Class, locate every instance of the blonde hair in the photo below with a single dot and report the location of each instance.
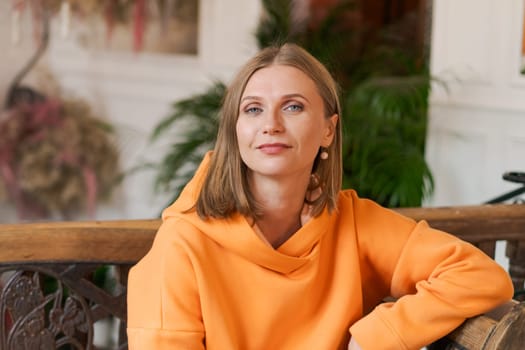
(225, 189)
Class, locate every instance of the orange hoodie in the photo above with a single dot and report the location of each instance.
(216, 285)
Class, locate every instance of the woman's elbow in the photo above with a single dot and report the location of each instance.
(501, 285)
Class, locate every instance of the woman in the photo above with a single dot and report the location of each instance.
(263, 251)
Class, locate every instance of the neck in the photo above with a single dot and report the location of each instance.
(282, 205)
(277, 229)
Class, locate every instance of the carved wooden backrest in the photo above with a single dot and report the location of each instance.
(51, 296)
(58, 281)
(47, 306)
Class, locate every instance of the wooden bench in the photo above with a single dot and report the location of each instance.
(33, 314)
(52, 293)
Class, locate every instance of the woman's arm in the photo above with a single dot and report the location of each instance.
(438, 281)
(163, 301)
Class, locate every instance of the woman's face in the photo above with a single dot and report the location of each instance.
(281, 123)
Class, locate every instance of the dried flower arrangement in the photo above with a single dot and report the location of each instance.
(56, 158)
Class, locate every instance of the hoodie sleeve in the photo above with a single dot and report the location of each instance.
(163, 302)
(436, 279)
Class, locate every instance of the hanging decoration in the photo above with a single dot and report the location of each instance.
(134, 12)
(57, 158)
(113, 11)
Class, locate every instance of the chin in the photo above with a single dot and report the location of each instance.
(269, 168)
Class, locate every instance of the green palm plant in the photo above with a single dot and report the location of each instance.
(384, 94)
(198, 116)
(384, 140)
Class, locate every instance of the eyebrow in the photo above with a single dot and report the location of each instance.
(297, 95)
(250, 98)
(285, 96)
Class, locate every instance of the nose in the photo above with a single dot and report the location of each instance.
(273, 123)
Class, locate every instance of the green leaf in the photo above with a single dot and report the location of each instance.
(199, 114)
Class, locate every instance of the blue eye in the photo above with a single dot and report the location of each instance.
(253, 110)
(294, 108)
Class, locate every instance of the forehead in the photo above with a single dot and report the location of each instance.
(280, 79)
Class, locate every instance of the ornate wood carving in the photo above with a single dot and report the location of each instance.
(55, 306)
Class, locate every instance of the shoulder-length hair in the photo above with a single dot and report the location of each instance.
(225, 188)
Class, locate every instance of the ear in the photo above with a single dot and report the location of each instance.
(329, 132)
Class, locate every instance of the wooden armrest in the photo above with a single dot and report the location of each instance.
(123, 241)
(502, 328)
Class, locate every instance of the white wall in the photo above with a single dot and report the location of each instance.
(477, 124)
(477, 127)
(135, 91)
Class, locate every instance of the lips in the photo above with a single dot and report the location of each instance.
(273, 148)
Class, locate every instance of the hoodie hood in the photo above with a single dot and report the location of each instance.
(235, 234)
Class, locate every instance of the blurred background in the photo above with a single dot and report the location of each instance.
(107, 106)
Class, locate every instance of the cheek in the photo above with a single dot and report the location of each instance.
(243, 132)
(244, 140)
(238, 131)
(311, 139)
(312, 136)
